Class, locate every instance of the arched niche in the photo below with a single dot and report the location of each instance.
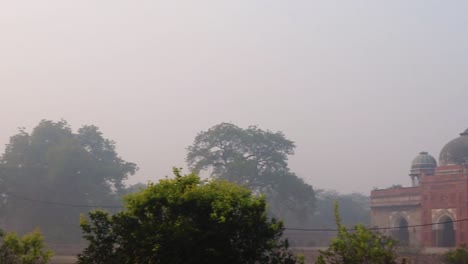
(401, 230)
(444, 231)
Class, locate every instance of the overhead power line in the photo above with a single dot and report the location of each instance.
(59, 203)
(375, 228)
(19, 197)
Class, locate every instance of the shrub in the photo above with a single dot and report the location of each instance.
(29, 249)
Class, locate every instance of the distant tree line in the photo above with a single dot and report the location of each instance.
(51, 175)
(355, 209)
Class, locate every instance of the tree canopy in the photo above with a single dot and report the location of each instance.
(28, 249)
(186, 220)
(56, 165)
(257, 159)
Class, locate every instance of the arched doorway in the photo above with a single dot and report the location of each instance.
(445, 232)
(400, 230)
(402, 233)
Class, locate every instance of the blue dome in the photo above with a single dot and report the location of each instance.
(423, 163)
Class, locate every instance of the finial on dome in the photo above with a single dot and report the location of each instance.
(423, 163)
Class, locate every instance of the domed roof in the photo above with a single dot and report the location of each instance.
(423, 163)
(456, 151)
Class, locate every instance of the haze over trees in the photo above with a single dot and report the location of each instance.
(50, 175)
(184, 220)
(355, 209)
(257, 159)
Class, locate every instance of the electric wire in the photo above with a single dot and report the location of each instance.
(376, 227)
(59, 203)
(15, 196)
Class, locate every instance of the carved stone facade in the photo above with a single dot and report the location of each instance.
(395, 208)
(434, 211)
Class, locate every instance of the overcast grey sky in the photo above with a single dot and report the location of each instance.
(361, 86)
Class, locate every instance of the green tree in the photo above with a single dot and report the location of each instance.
(186, 220)
(256, 159)
(361, 246)
(29, 249)
(456, 256)
(54, 164)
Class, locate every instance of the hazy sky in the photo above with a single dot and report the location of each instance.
(361, 86)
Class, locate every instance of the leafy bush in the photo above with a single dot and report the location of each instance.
(29, 249)
(456, 256)
(363, 246)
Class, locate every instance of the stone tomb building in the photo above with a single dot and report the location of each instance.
(433, 212)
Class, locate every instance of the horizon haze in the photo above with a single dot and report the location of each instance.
(361, 87)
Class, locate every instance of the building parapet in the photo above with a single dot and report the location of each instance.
(410, 196)
(406, 191)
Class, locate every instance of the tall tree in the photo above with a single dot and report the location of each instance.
(257, 159)
(53, 164)
(184, 220)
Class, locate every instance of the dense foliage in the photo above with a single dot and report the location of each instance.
(29, 249)
(185, 220)
(256, 159)
(456, 256)
(51, 165)
(360, 246)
